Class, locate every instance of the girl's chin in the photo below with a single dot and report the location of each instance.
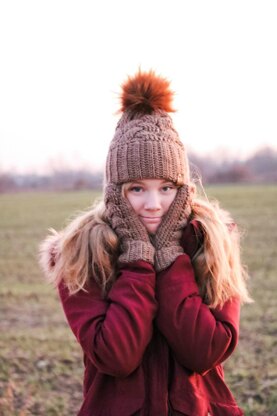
(151, 225)
(152, 228)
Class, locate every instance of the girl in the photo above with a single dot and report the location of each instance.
(150, 279)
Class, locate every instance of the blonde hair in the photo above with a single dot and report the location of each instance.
(219, 272)
(89, 249)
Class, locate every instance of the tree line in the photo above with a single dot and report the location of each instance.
(261, 167)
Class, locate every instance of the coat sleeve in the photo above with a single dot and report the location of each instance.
(115, 331)
(200, 337)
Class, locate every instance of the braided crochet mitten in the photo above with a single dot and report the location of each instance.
(134, 239)
(167, 238)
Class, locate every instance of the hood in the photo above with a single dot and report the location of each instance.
(49, 254)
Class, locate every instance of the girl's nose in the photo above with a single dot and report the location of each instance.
(152, 202)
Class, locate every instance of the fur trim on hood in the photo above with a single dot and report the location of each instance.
(49, 254)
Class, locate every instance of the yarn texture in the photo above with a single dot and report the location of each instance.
(146, 144)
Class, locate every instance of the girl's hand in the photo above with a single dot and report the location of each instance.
(134, 239)
(167, 238)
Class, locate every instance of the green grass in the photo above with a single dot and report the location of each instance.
(41, 364)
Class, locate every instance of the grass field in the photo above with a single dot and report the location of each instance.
(40, 362)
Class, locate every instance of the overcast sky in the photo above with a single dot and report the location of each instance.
(62, 64)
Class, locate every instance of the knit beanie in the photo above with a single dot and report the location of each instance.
(146, 144)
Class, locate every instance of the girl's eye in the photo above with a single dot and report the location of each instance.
(167, 188)
(135, 189)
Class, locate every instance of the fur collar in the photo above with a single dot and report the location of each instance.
(49, 254)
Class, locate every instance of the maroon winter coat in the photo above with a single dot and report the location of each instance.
(153, 347)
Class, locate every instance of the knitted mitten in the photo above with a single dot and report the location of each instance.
(167, 238)
(134, 239)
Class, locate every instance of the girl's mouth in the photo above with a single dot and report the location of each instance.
(151, 219)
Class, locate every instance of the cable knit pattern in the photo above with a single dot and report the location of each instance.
(134, 239)
(167, 238)
(144, 147)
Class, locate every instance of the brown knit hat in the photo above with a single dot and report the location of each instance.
(145, 144)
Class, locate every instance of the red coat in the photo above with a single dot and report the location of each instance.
(153, 344)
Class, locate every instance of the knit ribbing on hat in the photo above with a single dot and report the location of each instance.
(146, 147)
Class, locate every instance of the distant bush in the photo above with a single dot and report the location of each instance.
(261, 167)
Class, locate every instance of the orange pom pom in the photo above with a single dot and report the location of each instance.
(145, 93)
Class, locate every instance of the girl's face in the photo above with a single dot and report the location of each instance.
(151, 199)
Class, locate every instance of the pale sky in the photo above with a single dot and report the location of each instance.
(62, 64)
